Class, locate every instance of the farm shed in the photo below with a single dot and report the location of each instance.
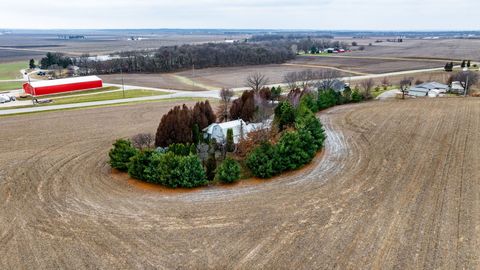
(218, 131)
(39, 88)
(423, 89)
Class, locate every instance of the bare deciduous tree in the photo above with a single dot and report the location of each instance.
(327, 79)
(307, 78)
(367, 86)
(465, 78)
(385, 81)
(223, 111)
(291, 79)
(143, 140)
(405, 83)
(256, 81)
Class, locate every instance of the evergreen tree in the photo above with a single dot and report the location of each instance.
(228, 171)
(230, 142)
(121, 153)
(196, 135)
(31, 64)
(243, 107)
(211, 166)
(175, 127)
(276, 92)
(284, 114)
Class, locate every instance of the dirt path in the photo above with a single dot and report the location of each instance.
(398, 187)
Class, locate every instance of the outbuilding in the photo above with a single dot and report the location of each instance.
(423, 89)
(218, 131)
(38, 88)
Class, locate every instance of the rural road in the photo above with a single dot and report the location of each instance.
(387, 58)
(397, 188)
(182, 94)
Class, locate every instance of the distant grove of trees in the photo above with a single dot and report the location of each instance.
(275, 37)
(177, 58)
(55, 59)
(184, 57)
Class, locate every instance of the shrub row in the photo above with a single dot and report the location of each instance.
(178, 167)
(294, 149)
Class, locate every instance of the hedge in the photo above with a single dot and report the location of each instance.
(121, 153)
(228, 171)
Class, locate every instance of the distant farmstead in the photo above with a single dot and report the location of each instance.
(38, 88)
(424, 89)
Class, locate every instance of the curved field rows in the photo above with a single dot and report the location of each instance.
(398, 187)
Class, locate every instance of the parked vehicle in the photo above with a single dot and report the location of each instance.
(4, 98)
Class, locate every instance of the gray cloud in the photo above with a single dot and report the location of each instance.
(284, 14)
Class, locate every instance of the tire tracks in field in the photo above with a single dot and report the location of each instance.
(391, 190)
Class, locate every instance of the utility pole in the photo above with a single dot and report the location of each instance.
(123, 85)
(466, 84)
(33, 89)
(193, 75)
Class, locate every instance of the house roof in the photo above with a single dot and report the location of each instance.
(225, 125)
(64, 81)
(432, 85)
(419, 89)
(238, 127)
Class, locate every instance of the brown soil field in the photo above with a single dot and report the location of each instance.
(233, 77)
(7, 55)
(208, 78)
(365, 65)
(101, 42)
(397, 188)
(166, 81)
(455, 49)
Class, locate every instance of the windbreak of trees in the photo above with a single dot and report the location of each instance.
(315, 45)
(177, 58)
(55, 59)
(274, 37)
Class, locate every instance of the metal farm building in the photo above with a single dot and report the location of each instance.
(38, 88)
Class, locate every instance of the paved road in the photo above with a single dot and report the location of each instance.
(387, 58)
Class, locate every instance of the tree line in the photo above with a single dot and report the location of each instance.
(185, 57)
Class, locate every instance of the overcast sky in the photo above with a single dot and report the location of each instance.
(271, 14)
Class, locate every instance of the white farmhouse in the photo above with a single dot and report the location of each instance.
(218, 131)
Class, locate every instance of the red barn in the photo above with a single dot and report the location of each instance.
(39, 88)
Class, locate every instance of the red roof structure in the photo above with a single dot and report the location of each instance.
(38, 88)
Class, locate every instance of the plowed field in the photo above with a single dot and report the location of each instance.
(398, 187)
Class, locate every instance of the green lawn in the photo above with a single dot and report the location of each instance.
(105, 96)
(4, 86)
(10, 71)
(74, 93)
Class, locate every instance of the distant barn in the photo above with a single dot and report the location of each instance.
(38, 88)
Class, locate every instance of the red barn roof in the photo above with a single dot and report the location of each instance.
(62, 85)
